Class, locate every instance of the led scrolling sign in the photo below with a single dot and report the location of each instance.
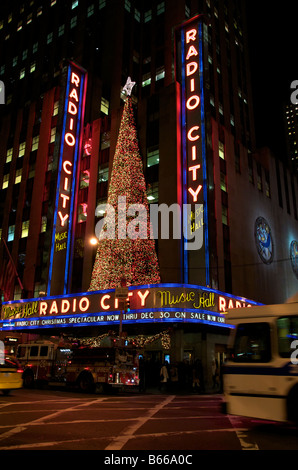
(66, 193)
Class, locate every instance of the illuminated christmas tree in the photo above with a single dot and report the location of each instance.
(131, 254)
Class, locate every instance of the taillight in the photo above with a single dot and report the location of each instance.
(20, 371)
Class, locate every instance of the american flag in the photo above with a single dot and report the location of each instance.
(8, 273)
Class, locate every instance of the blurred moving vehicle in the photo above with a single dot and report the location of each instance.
(261, 375)
(10, 375)
(89, 368)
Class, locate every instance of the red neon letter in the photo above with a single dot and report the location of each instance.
(54, 308)
(65, 199)
(222, 304)
(72, 109)
(194, 152)
(87, 303)
(191, 51)
(65, 306)
(67, 163)
(102, 304)
(191, 35)
(69, 139)
(43, 308)
(189, 134)
(191, 68)
(195, 193)
(196, 99)
(74, 95)
(75, 79)
(143, 297)
(62, 219)
(194, 171)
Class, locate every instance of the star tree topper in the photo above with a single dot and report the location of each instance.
(128, 86)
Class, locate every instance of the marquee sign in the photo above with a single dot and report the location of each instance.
(65, 205)
(190, 74)
(161, 303)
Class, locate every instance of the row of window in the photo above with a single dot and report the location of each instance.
(25, 229)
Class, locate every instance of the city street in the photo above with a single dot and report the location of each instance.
(68, 420)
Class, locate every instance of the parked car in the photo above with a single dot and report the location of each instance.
(10, 375)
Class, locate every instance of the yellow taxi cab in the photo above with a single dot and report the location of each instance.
(10, 375)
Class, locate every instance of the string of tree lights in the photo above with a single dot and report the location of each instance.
(134, 260)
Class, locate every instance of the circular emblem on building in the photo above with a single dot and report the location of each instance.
(263, 239)
(294, 257)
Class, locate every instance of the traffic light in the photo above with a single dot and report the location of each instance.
(127, 305)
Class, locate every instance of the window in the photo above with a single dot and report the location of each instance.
(152, 158)
(18, 177)
(160, 74)
(43, 351)
(49, 38)
(160, 8)
(35, 142)
(56, 108)
(9, 155)
(35, 47)
(73, 22)
(74, 4)
(287, 330)
(224, 215)
(127, 5)
(221, 150)
(223, 182)
(104, 106)
(84, 179)
(39, 11)
(53, 135)
(10, 236)
(5, 181)
(148, 16)
(152, 193)
(22, 149)
(43, 228)
(61, 30)
(252, 343)
(90, 10)
(25, 229)
(22, 73)
(32, 67)
(103, 174)
(259, 177)
(34, 351)
(15, 61)
(25, 54)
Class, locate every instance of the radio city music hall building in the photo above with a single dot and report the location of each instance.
(194, 118)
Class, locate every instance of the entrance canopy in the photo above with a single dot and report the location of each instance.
(162, 303)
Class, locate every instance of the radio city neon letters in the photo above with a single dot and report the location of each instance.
(192, 103)
(70, 141)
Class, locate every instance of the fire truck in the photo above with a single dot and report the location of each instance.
(96, 369)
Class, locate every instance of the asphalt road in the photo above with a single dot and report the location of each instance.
(121, 424)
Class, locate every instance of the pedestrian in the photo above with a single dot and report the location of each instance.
(196, 377)
(174, 377)
(164, 377)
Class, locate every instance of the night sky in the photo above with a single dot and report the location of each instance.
(273, 42)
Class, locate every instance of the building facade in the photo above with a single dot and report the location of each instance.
(194, 116)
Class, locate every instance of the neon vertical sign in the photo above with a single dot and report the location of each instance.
(194, 169)
(66, 197)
